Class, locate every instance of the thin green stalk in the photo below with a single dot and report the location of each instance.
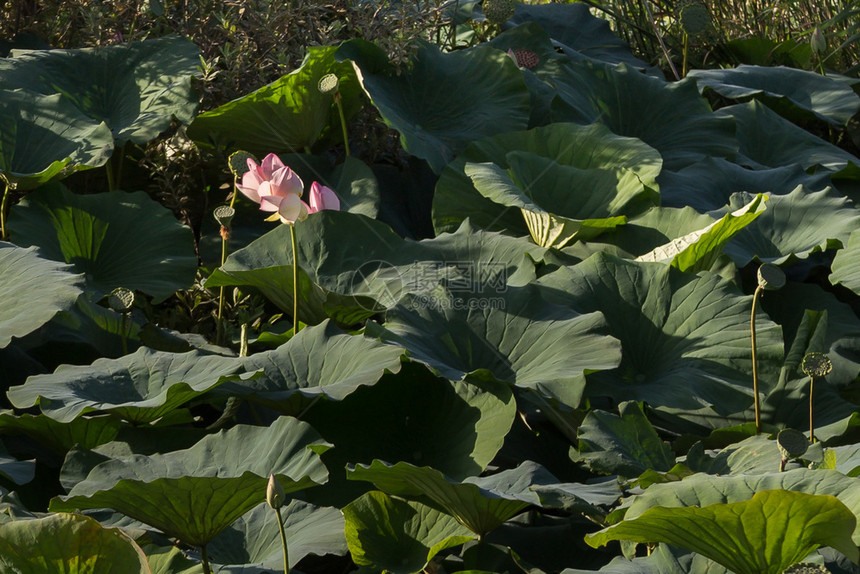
(811, 423)
(342, 122)
(204, 559)
(118, 177)
(3, 234)
(123, 329)
(220, 330)
(660, 39)
(283, 542)
(295, 279)
(758, 290)
(109, 171)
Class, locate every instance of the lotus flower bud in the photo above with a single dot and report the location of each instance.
(274, 492)
(817, 41)
(770, 277)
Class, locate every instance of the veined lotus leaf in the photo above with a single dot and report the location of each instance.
(351, 267)
(45, 138)
(68, 544)
(87, 432)
(766, 534)
(398, 536)
(761, 51)
(794, 226)
(576, 28)
(591, 148)
(479, 503)
(700, 249)
(194, 494)
(684, 338)
(664, 559)
(140, 388)
(170, 560)
(709, 184)
(767, 140)
(443, 101)
(626, 445)
(753, 455)
(670, 117)
(116, 239)
(828, 99)
(136, 88)
(41, 286)
(319, 361)
(846, 264)
(515, 337)
(254, 538)
(287, 115)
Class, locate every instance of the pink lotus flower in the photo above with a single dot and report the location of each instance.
(276, 188)
(322, 197)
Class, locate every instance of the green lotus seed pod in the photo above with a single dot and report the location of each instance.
(274, 492)
(328, 84)
(695, 18)
(121, 300)
(816, 365)
(526, 59)
(770, 277)
(817, 41)
(238, 162)
(791, 443)
(498, 11)
(224, 215)
(807, 568)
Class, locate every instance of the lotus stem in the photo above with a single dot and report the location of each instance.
(337, 101)
(811, 424)
(220, 327)
(123, 329)
(204, 559)
(109, 172)
(660, 40)
(283, 541)
(758, 290)
(3, 234)
(295, 279)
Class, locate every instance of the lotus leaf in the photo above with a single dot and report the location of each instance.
(41, 286)
(846, 264)
(195, 494)
(137, 88)
(170, 560)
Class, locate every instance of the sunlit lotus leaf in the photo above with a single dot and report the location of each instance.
(68, 544)
(846, 264)
(136, 88)
(399, 536)
(664, 559)
(766, 534)
(828, 99)
(287, 115)
(626, 445)
(767, 140)
(684, 337)
(88, 432)
(443, 101)
(514, 337)
(41, 287)
(479, 503)
(709, 184)
(319, 361)
(254, 541)
(170, 560)
(588, 150)
(195, 494)
(140, 388)
(116, 239)
(794, 226)
(45, 138)
(757, 454)
(670, 117)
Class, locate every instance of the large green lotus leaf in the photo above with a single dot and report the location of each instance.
(766, 534)
(767, 140)
(846, 264)
(194, 494)
(684, 338)
(398, 536)
(830, 100)
(140, 388)
(670, 117)
(46, 137)
(319, 361)
(515, 337)
(68, 544)
(481, 504)
(88, 432)
(626, 445)
(352, 266)
(34, 291)
(254, 540)
(17, 471)
(754, 455)
(576, 28)
(663, 559)
(116, 239)
(288, 115)
(794, 226)
(700, 249)
(587, 148)
(709, 184)
(418, 418)
(170, 560)
(136, 88)
(443, 101)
